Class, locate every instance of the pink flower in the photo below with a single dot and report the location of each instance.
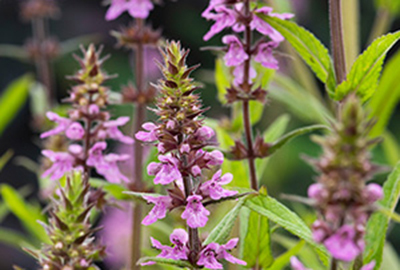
(317, 192)
(213, 252)
(264, 28)
(238, 73)
(166, 172)
(159, 211)
(373, 192)
(62, 125)
(342, 244)
(236, 54)
(264, 55)
(369, 266)
(195, 213)
(214, 158)
(149, 136)
(62, 163)
(106, 165)
(296, 264)
(75, 131)
(204, 133)
(113, 132)
(214, 189)
(223, 18)
(136, 8)
(179, 250)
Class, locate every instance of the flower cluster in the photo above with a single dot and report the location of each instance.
(341, 195)
(180, 138)
(72, 242)
(87, 126)
(136, 8)
(234, 14)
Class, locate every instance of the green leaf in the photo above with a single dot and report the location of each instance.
(364, 75)
(222, 79)
(284, 259)
(391, 148)
(393, 6)
(255, 235)
(115, 190)
(313, 52)
(15, 52)
(390, 257)
(383, 103)
(182, 264)
(26, 213)
(281, 215)
(14, 238)
(222, 231)
(12, 100)
(5, 158)
(379, 222)
(140, 195)
(295, 133)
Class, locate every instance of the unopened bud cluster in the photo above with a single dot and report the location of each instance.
(341, 195)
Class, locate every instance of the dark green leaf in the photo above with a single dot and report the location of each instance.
(364, 75)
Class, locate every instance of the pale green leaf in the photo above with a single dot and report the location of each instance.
(221, 232)
(182, 264)
(284, 259)
(14, 238)
(379, 222)
(15, 52)
(390, 258)
(5, 158)
(383, 103)
(364, 75)
(256, 248)
(222, 79)
(25, 212)
(12, 100)
(115, 190)
(281, 215)
(313, 52)
(391, 148)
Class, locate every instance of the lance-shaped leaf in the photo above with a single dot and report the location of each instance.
(383, 102)
(182, 264)
(221, 232)
(26, 213)
(284, 259)
(313, 52)
(379, 222)
(364, 75)
(281, 215)
(115, 190)
(255, 246)
(12, 100)
(288, 137)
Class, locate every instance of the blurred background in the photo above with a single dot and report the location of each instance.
(178, 20)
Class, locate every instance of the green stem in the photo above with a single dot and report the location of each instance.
(351, 28)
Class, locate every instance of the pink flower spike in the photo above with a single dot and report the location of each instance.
(159, 211)
(223, 18)
(265, 57)
(342, 244)
(150, 136)
(179, 250)
(236, 54)
(214, 189)
(369, 266)
(75, 131)
(114, 133)
(296, 264)
(62, 163)
(166, 172)
(208, 257)
(223, 252)
(62, 125)
(195, 213)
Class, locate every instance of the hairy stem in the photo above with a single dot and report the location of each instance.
(86, 145)
(337, 39)
(246, 87)
(42, 62)
(138, 154)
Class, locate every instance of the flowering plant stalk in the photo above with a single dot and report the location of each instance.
(181, 137)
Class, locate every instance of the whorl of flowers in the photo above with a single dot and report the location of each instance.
(136, 8)
(181, 137)
(341, 195)
(72, 243)
(235, 15)
(87, 126)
